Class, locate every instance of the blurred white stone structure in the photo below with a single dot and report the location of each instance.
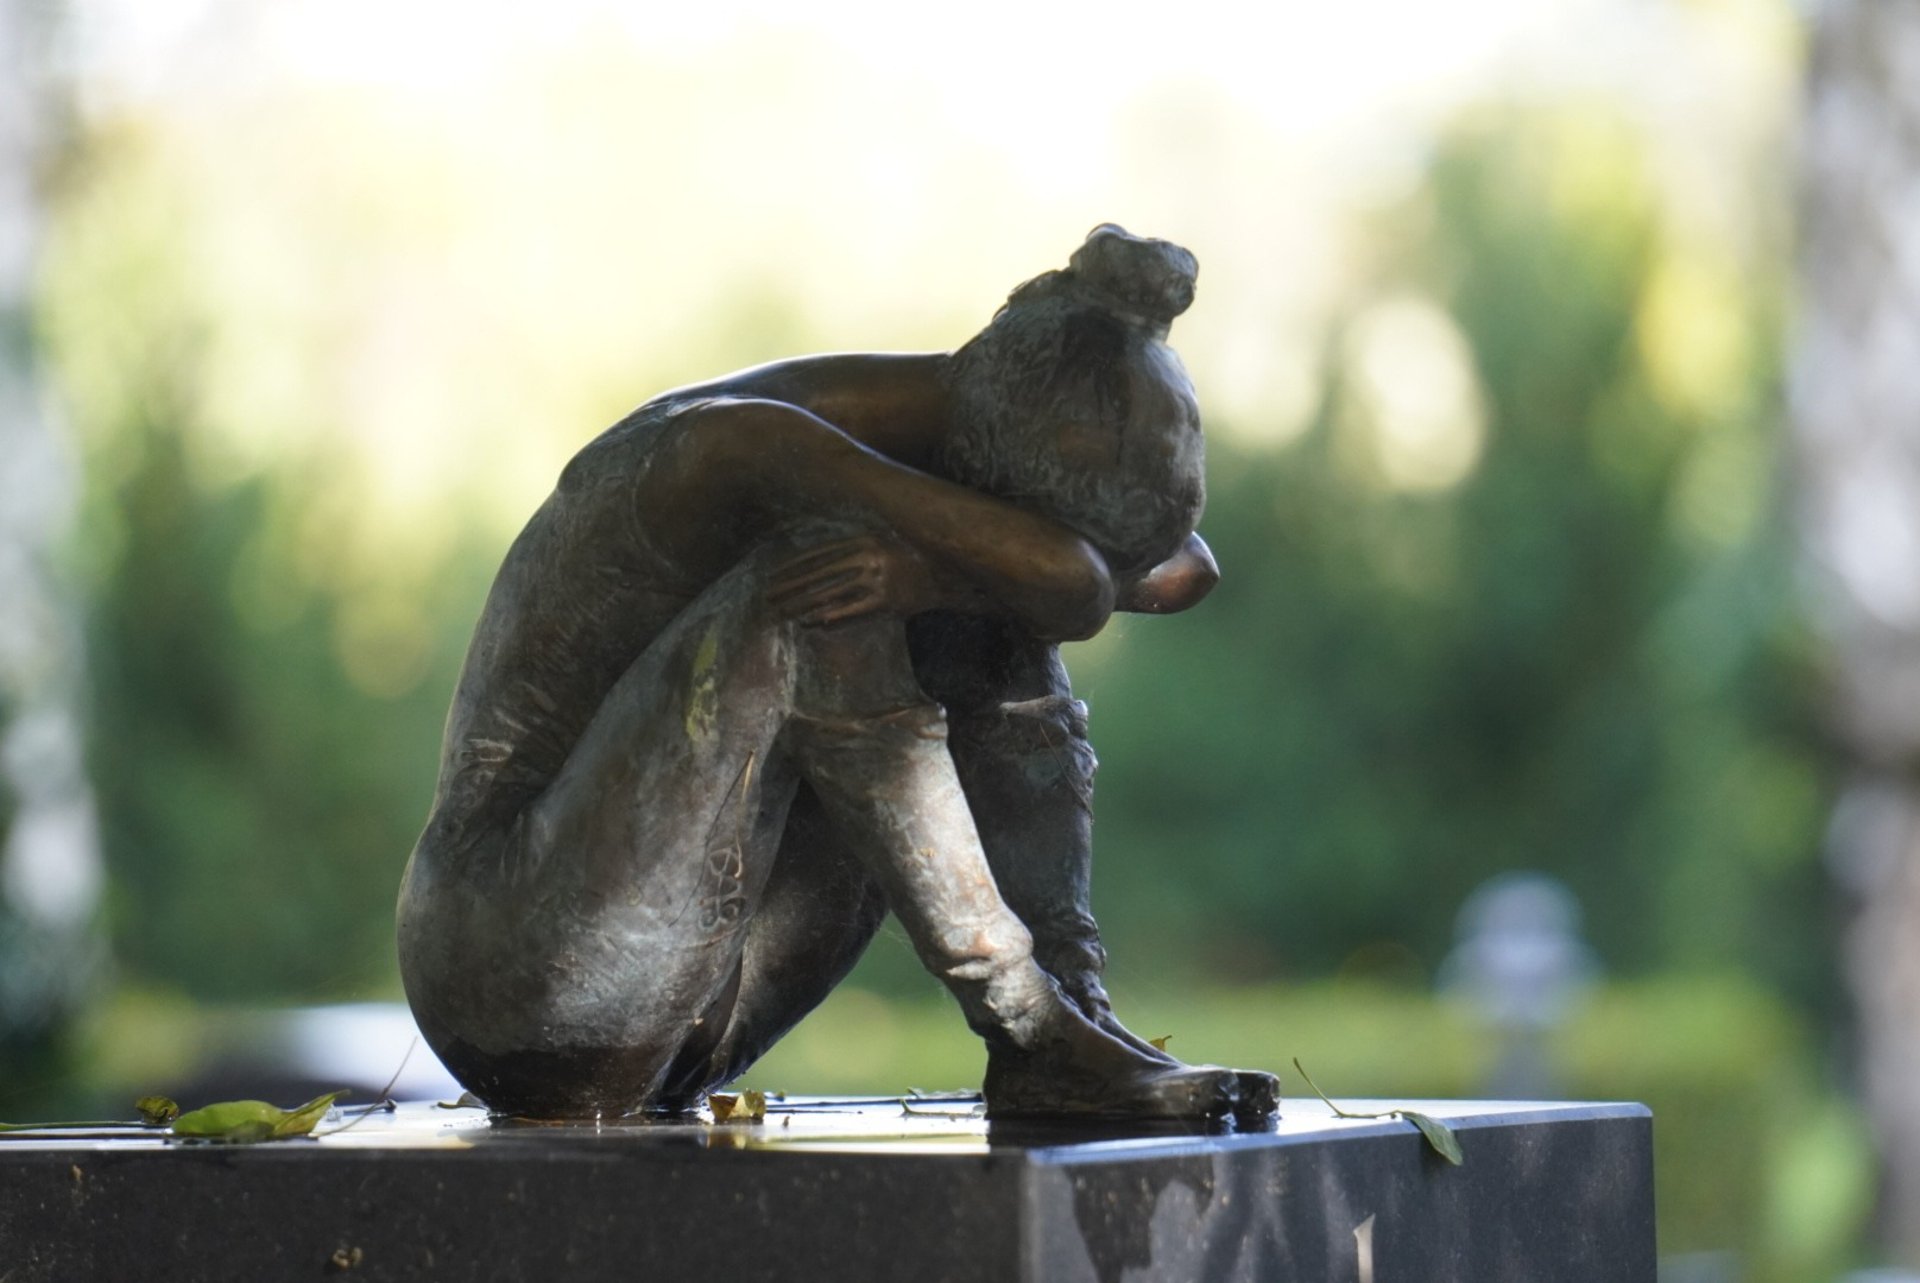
(1856, 419)
(1520, 964)
(50, 872)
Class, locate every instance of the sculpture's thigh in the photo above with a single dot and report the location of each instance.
(818, 912)
(614, 929)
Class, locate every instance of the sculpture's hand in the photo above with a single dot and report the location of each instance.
(852, 577)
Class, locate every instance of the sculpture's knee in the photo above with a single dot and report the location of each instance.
(1035, 748)
(857, 668)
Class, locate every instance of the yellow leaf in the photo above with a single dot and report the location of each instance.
(748, 1107)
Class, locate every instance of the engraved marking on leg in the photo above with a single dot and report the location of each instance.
(721, 891)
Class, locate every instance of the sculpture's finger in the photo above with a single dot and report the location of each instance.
(800, 572)
(847, 605)
(820, 554)
(827, 577)
(802, 603)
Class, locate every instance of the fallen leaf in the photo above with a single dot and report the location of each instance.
(1160, 1043)
(247, 1121)
(467, 1101)
(156, 1111)
(748, 1107)
(1438, 1135)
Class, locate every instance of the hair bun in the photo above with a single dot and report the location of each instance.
(1153, 278)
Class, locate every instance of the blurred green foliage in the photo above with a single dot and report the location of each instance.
(1578, 655)
(1581, 657)
(257, 802)
(1392, 697)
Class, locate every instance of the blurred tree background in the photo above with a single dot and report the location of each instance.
(1490, 343)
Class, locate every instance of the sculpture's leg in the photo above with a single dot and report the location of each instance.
(875, 751)
(1020, 744)
(569, 966)
(559, 961)
(1028, 771)
(872, 751)
(817, 915)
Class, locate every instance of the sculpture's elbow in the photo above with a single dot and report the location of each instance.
(1083, 599)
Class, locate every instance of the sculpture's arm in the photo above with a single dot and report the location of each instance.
(781, 467)
(1176, 584)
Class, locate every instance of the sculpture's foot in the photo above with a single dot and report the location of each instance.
(1021, 1086)
(1259, 1097)
(1256, 1094)
(1068, 1067)
(1086, 1064)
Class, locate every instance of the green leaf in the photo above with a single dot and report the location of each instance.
(1160, 1043)
(239, 1120)
(1438, 1135)
(303, 1120)
(247, 1121)
(156, 1111)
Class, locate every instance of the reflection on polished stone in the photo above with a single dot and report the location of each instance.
(858, 1189)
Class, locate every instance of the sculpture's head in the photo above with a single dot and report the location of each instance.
(1070, 402)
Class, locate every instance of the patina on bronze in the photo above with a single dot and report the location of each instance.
(778, 656)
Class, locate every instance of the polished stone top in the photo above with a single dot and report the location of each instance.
(887, 1188)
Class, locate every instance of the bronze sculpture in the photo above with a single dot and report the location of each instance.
(778, 656)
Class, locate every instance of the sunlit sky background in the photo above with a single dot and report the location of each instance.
(449, 243)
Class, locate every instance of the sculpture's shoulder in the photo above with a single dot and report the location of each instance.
(622, 452)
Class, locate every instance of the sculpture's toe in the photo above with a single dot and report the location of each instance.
(1259, 1097)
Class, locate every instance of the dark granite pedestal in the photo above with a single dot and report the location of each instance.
(851, 1191)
